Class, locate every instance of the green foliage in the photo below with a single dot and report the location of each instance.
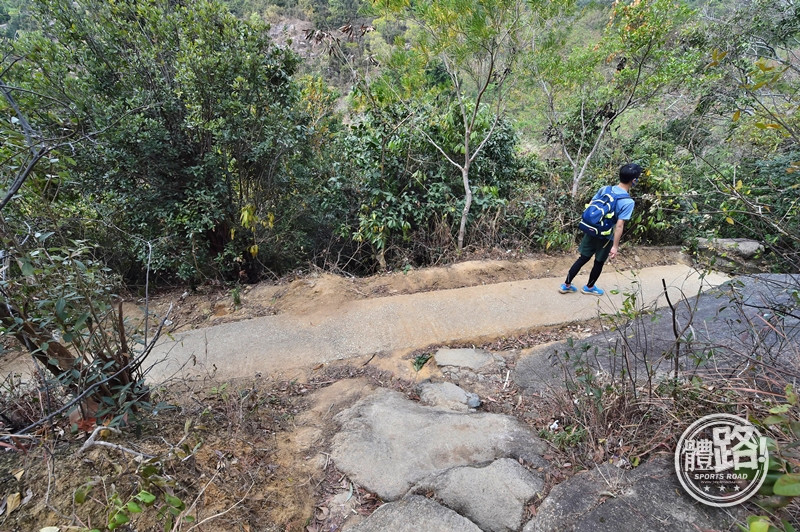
(420, 361)
(745, 180)
(208, 151)
(569, 436)
(60, 298)
(761, 523)
(757, 198)
(236, 295)
(540, 209)
(196, 117)
(645, 50)
(783, 481)
(386, 183)
(391, 190)
(16, 16)
(664, 206)
(477, 45)
(586, 384)
(157, 495)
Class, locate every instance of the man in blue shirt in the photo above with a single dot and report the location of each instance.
(600, 247)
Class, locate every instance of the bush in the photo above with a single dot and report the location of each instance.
(58, 302)
(391, 199)
(194, 118)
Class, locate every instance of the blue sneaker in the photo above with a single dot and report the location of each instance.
(567, 288)
(593, 291)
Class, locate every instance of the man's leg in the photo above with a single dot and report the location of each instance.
(594, 275)
(576, 268)
(600, 258)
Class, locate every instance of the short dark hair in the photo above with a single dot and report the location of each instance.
(629, 172)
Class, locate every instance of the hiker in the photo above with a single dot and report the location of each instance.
(612, 205)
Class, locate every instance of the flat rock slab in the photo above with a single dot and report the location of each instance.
(721, 319)
(734, 255)
(448, 395)
(494, 497)
(474, 359)
(414, 514)
(610, 499)
(387, 443)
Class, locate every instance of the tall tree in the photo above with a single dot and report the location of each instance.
(475, 45)
(644, 50)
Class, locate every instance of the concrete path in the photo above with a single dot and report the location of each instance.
(277, 344)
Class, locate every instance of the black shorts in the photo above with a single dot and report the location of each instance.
(599, 247)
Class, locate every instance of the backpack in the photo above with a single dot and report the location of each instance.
(600, 215)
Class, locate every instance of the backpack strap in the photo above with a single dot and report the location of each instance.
(616, 197)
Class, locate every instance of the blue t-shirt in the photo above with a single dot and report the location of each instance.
(624, 205)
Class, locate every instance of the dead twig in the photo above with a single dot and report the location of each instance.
(94, 442)
(210, 517)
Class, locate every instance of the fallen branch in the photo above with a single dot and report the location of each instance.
(93, 442)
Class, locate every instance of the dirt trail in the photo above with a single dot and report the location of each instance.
(319, 297)
(290, 342)
(321, 292)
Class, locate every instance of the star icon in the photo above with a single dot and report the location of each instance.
(736, 488)
(722, 488)
(707, 488)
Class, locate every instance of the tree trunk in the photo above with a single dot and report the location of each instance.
(576, 179)
(467, 204)
(579, 170)
(57, 358)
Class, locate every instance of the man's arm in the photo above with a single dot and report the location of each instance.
(617, 237)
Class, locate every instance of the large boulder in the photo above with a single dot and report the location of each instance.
(387, 443)
(413, 514)
(738, 255)
(611, 499)
(494, 497)
(750, 316)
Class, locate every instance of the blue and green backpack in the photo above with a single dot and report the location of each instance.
(600, 215)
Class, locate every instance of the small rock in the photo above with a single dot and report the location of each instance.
(448, 395)
(474, 359)
(473, 401)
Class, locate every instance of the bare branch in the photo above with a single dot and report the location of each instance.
(30, 134)
(93, 442)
